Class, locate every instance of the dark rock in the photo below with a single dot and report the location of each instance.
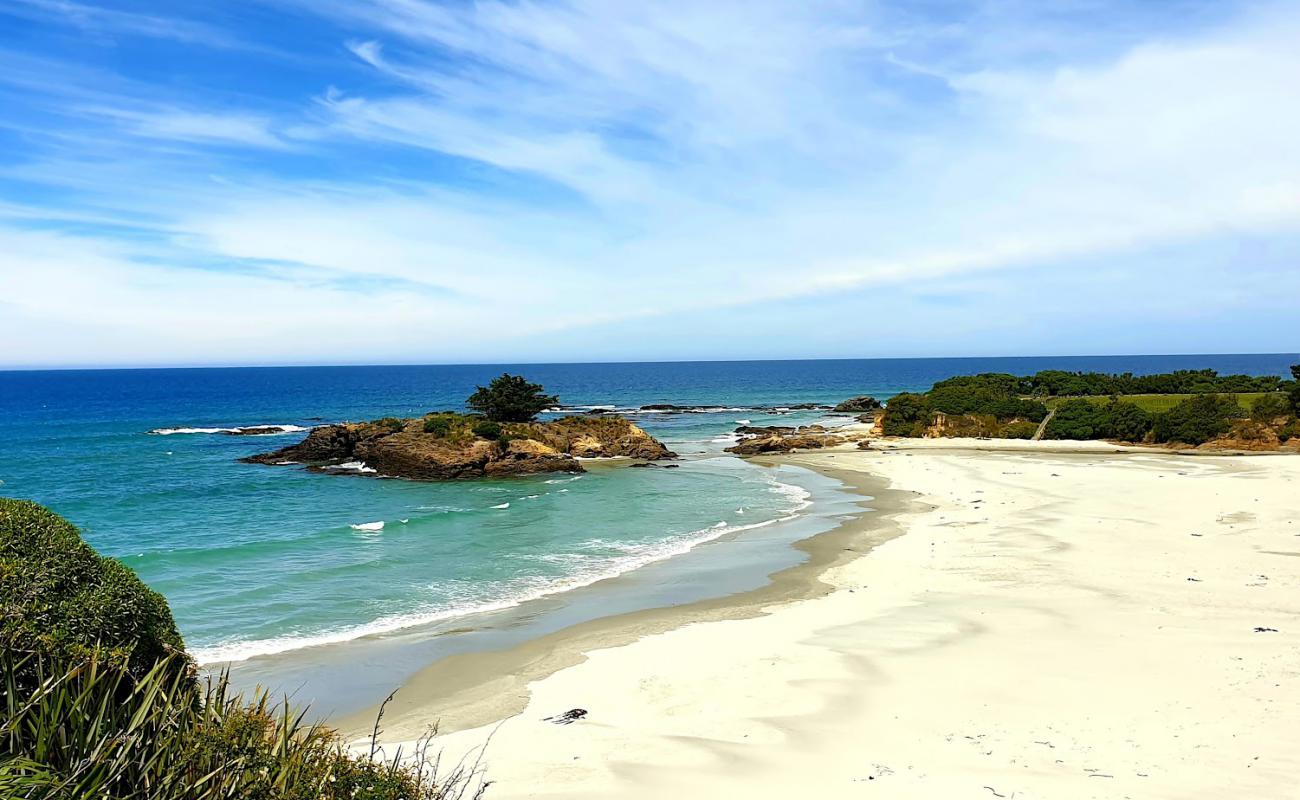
(255, 430)
(860, 403)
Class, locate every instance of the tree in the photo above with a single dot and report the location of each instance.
(1295, 372)
(906, 414)
(1198, 419)
(1128, 422)
(511, 398)
(1270, 407)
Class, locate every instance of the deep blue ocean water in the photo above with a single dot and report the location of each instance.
(257, 559)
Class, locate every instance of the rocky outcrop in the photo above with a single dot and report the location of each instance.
(857, 404)
(776, 439)
(259, 430)
(451, 449)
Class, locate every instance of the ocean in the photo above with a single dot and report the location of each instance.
(257, 561)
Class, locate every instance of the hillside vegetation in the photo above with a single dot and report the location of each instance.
(100, 701)
(1192, 407)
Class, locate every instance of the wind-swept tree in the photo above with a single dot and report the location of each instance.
(511, 398)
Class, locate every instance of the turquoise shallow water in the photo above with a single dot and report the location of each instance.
(257, 560)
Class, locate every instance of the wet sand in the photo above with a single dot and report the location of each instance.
(1048, 624)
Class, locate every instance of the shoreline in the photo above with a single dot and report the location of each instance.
(488, 686)
(1051, 618)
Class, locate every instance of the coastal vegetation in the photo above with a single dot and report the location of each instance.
(99, 699)
(1188, 407)
(1059, 383)
(511, 398)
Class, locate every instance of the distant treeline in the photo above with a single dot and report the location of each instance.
(1055, 382)
(1008, 406)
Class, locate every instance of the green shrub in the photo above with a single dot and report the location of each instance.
(1019, 430)
(992, 394)
(511, 398)
(1197, 419)
(1270, 407)
(91, 730)
(98, 700)
(906, 414)
(1077, 418)
(438, 426)
(391, 423)
(1291, 430)
(62, 599)
(1128, 422)
(487, 429)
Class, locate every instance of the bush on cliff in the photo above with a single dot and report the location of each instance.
(1270, 407)
(906, 414)
(61, 599)
(487, 429)
(1128, 422)
(437, 425)
(511, 398)
(993, 394)
(1198, 419)
(1083, 419)
(1019, 430)
(97, 699)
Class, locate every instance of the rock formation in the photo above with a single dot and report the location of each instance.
(448, 446)
(858, 404)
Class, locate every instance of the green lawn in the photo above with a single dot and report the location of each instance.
(1159, 402)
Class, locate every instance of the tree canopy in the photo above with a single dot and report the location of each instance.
(511, 398)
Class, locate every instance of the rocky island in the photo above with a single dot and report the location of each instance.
(504, 438)
(447, 446)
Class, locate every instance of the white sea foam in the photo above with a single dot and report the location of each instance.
(358, 467)
(742, 422)
(593, 570)
(278, 429)
(588, 568)
(368, 526)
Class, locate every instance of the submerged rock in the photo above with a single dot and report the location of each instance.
(446, 446)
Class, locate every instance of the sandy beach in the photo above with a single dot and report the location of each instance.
(1031, 622)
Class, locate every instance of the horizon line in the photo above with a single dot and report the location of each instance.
(359, 365)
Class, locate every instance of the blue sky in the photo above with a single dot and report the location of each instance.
(384, 181)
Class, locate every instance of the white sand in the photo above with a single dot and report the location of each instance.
(1035, 633)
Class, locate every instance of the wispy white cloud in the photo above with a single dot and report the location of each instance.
(195, 126)
(550, 172)
(97, 19)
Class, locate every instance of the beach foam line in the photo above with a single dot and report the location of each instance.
(278, 429)
(635, 556)
(368, 526)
